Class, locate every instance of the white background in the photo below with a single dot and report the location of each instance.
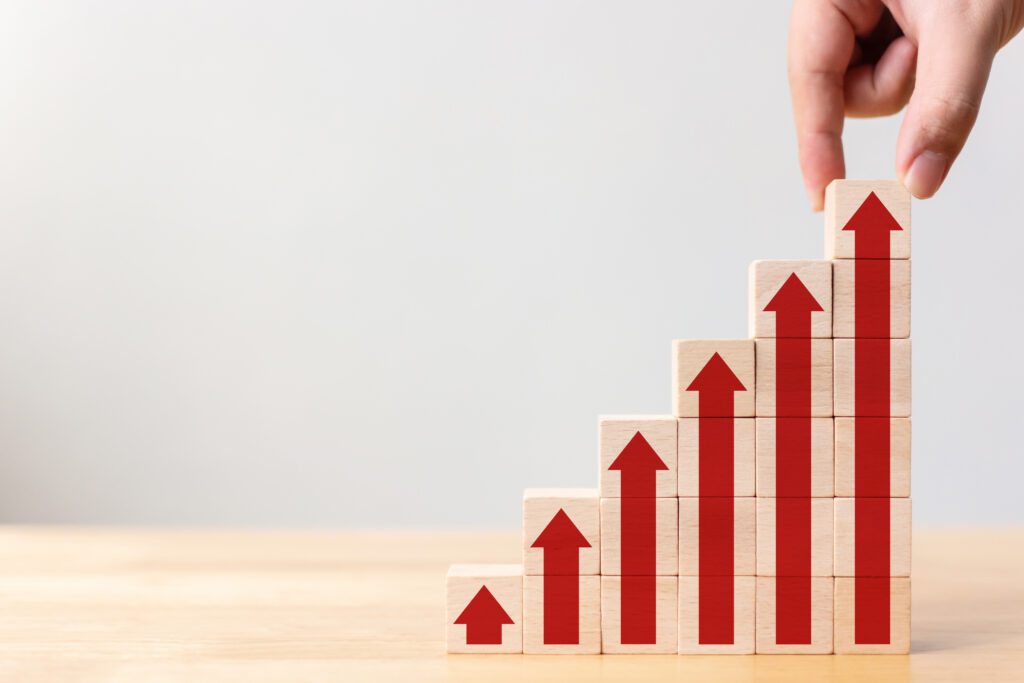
(382, 263)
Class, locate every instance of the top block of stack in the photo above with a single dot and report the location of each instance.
(850, 211)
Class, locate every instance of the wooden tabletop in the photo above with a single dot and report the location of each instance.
(151, 606)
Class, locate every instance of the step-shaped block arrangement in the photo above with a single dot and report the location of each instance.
(770, 513)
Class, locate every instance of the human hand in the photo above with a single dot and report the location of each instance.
(858, 58)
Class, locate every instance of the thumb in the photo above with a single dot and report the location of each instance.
(954, 60)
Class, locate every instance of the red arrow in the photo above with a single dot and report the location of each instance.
(716, 383)
(872, 224)
(561, 541)
(639, 464)
(793, 306)
(484, 617)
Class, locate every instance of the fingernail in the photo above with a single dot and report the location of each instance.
(926, 174)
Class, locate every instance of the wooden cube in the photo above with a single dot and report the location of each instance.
(797, 291)
(885, 288)
(712, 635)
(663, 556)
(819, 483)
(548, 536)
(714, 514)
(890, 636)
(874, 512)
(784, 623)
(694, 374)
(574, 623)
(716, 429)
(899, 456)
(484, 608)
(794, 402)
(648, 604)
(849, 208)
(794, 511)
(872, 403)
(657, 433)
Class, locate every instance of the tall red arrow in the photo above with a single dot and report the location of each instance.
(638, 464)
(484, 617)
(872, 224)
(793, 306)
(716, 383)
(561, 541)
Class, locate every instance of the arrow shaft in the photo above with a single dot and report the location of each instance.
(561, 609)
(716, 456)
(716, 569)
(638, 607)
(562, 561)
(638, 599)
(639, 536)
(483, 633)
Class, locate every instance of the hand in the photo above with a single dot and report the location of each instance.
(858, 58)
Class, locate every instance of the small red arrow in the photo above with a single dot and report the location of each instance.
(872, 224)
(561, 541)
(483, 618)
(638, 463)
(717, 385)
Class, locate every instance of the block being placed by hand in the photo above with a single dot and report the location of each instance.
(638, 614)
(561, 614)
(898, 429)
(787, 518)
(704, 524)
(560, 521)
(790, 298)
(821, 447)
(721, 434)
(631, 446)
(776, 381)
(484, 608)
(884, 628)
(883, 517)
(707, 625)
(877, 209)
(874, 400)
(794, 615)
(719, 372)
(628, 519)
(883, 311)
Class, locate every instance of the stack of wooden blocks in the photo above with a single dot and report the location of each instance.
(771, 512)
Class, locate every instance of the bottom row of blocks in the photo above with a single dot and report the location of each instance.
(494, 608)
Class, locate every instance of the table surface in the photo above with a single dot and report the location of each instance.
(81, 604)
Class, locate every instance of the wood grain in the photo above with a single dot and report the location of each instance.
(844, 197)
(822, 446)
(765, 279)
(844, 300)
(505, 582)
(689, 357)
(899, 619)
(615, 431)
(899, 378)
(821, 377)
(744, 530)
(899, 456)
(666, 636)
(743, 618)
(589, 618)
(821, 618)
(899, 536)
(743, 456)
(821, 536)
(583, 508)
(666, 520)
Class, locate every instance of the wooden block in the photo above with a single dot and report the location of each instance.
(743, 457)
(844, 198)
(666, 518)
(844, 323)
(899, 457)
(580, 637)
(583, 510)
(484, 608)
(821, 455)
(821, 532)
(772, 287)
(616, 432)
(899, 378)
(821, 377)
(663, 639)
(899, 535)
(692, 641)
(820, 616)
(690, 357)
(899, 617)
(744, 529)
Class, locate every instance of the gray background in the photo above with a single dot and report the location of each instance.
(382, 263)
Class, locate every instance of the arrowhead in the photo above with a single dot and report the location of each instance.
(638, 455)
(484, 609)
(872, 216)
(793, 296)
(561, 533)
(716, 376)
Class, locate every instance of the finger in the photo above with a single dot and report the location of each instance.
(882, 88)
(954, 59)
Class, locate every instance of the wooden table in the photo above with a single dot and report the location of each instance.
(146, 606)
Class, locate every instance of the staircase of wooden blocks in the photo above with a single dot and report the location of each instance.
(771, 512)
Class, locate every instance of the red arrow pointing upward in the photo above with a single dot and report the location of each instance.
(716, 383)
(872, 223)
(484, 617)
(793, 306)
(561, 541)
(639, 464)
